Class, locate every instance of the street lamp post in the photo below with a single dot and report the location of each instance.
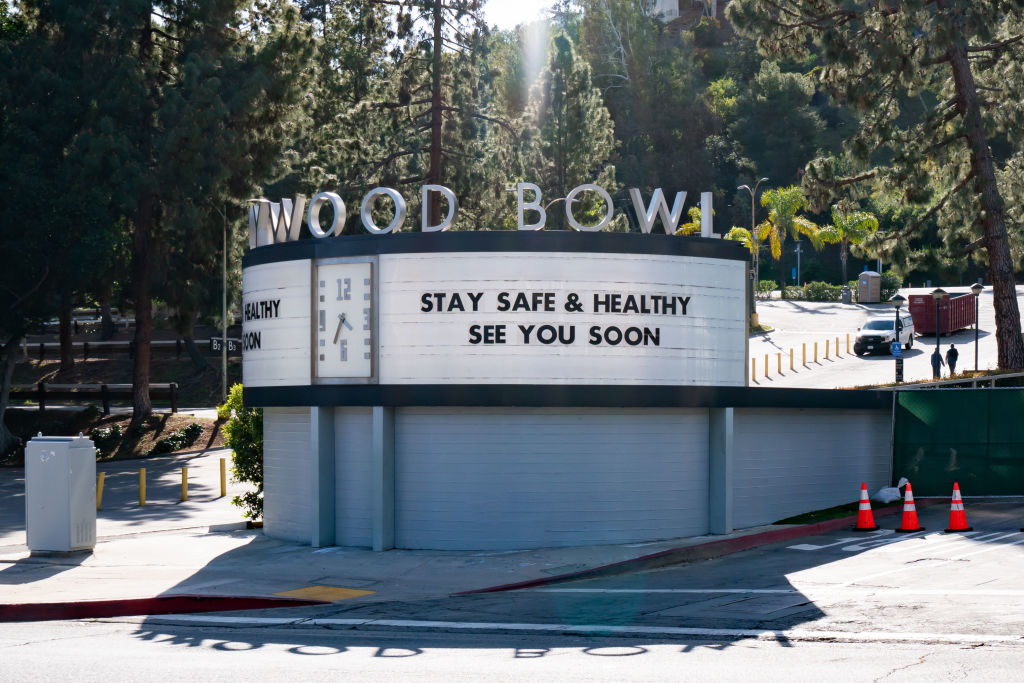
(976, 290)
(897, 302)
(756, 248)
(937, 294)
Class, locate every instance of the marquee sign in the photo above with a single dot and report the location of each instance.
(441, 310)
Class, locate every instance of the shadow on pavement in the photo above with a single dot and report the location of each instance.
(721, 601)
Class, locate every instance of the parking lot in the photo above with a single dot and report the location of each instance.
(796, 323)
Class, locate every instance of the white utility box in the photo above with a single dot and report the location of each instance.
(60, 493)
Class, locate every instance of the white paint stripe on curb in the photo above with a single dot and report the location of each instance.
(609, 629)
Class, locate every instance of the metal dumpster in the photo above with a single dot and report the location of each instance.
(956, 312)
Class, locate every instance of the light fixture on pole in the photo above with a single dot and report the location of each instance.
(938, 294)
(753, 232)
(897, 302)
(755, 248)
(976, 289)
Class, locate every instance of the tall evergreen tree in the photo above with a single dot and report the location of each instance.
(938, 83)
(204, 89)
(570, 134)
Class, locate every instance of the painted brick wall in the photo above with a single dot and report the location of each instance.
(494, 479)
(287, 478)
(353, 436)
(792, 461)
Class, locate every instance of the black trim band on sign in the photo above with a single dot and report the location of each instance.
(565, 396)
(501, 240)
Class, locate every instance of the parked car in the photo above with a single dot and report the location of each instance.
(878, 335)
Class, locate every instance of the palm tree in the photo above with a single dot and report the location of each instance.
(783, 204)
(848, 227)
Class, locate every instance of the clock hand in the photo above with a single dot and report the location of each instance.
(337, 332)
(345, 320)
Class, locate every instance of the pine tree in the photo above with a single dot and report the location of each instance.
(938, 84)
(570, 135)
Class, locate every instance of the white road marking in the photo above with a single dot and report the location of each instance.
(611, 629)
(843, 590)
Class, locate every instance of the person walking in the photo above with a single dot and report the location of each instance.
(951, 356)
(936, 364)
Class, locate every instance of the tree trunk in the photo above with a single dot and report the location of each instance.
(782, 266)
(141, 405)
(436, 116)
(8, 358)
(67, 351)
(1004, 293)
(107, 328)
(199, 360)
(144, 216)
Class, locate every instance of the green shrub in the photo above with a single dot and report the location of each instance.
(243, 434)
(822, 291)
(186, 436)
(765, 288)
(891, 283)
(106, 440)
(796, 293)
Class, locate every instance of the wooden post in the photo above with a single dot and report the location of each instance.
(99, 489)
(105, 397)
(223, 478)
(184, 483)
(174, 397)
(42, 396)
(142, 486)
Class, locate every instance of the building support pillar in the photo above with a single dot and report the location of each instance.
(383, 478)
(721, 452)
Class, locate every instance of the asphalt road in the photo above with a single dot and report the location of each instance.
(796, 323)
(839, 606)
(110, 652)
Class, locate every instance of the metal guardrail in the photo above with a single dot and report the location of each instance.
(40, 350)
(974, 383)
(88, 393)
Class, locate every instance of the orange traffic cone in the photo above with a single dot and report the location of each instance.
(909, 522)
(957, 517)
(865, 520)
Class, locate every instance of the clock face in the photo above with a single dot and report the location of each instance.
(343, 320)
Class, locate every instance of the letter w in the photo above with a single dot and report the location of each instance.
(646, 216)
(270, 222)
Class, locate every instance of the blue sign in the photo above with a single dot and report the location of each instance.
(897, 350)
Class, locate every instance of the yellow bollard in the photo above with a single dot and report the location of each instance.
(837, 347)
(142, 486)
(184, 483)
(791, 359)
(753, 369)
(223, 479)
(766, 366)
(779, 354)
(815, 352)
(826, 349)
(847, 343)
(805, 354)
(99, 489)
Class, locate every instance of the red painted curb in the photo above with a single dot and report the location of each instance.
(702, 551)
(170, 604)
